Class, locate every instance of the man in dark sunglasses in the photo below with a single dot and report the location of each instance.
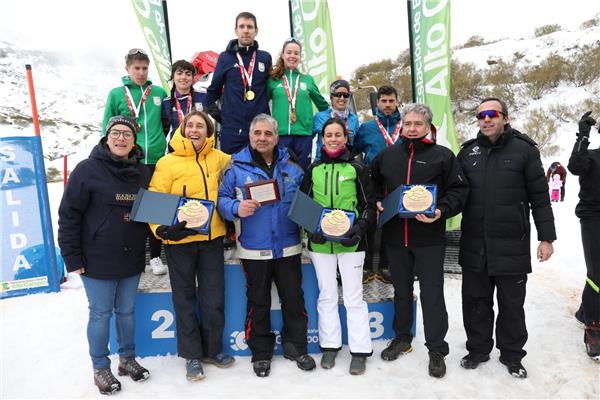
(507, 182)
(339, 94)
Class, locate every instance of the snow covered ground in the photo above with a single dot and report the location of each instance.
(44, 350)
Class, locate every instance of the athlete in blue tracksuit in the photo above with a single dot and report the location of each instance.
(370, 140)
(268, 245)
(227, 84)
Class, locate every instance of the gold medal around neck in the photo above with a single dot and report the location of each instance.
(194, 212)
(249, 95)
(293, 117)
(335, 223)
(417, 198)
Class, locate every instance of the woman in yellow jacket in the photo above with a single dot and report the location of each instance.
(194, 169)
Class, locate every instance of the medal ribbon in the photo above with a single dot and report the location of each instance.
(389, 140)
(135, 111)
(181, 114)
(286, 85)
(246, 75)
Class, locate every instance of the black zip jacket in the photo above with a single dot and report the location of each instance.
(507, 181)
(419, 162)
(94, 230)
(586, 164)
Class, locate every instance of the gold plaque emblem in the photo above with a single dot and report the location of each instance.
(417, 198)
(249, 95)
(335, 223)
(194, 212)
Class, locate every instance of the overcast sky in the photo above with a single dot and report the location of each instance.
(364, 31)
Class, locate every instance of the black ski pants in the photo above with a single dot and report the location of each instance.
(375, 245)
(427, 262)
(286, 272)
(478, 313)
(202, 261)
(590, 238)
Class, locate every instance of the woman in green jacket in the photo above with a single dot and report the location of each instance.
(338, 181)
(293, 94)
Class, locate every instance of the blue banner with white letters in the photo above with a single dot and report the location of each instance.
(28, 254)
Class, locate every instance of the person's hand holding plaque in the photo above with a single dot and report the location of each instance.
(247, 208)
(264, 192)
(424, 218)
(354, 234)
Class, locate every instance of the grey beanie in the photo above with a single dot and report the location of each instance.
(122, 120)
(338, 84)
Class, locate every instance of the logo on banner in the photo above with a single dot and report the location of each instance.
(237, 341)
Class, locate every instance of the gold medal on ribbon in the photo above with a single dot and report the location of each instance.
(293, 117)
(417, 199)
(335, 223)
(194, 212)
(249, 95)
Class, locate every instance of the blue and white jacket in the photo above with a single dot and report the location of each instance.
(319, 120)
(269, 233)
(369, 139)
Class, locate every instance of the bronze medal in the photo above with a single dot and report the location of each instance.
(249, 95)
(335, 223)
(417, 199)
(293, 117)
(194, 212)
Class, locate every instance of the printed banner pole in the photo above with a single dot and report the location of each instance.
(36, 119)
(429, 24)
(151, 17)
(166, 13)
(311, 25)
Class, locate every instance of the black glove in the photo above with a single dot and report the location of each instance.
(317, 238)
(354, 234)
(175, 232)
(585, 124)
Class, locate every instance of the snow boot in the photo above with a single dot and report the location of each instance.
(437, 366)
(221, 360)
(262, 368)
(194, 370)
(515, 368)
(472, 360)
(328, 359)
(304, 361)
(129, 366)
(396, 347)
(591, 339)
(106, 381)
(358, 365)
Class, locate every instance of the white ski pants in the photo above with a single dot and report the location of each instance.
(357, 313)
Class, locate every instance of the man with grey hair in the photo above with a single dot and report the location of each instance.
(415, 246)
(269, 244)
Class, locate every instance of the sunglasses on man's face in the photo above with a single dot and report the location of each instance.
(489, 113)
(340, 94)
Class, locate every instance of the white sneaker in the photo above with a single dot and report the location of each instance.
(158, 268)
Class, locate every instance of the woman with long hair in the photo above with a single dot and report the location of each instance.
(293, 94)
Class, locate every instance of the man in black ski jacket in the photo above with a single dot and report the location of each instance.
(507, 181)
(586, 164)
(416, 246)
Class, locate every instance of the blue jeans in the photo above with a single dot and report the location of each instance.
(104, 296)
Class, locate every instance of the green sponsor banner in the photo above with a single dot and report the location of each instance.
(152, 21)
(311, 26)
(431, 52)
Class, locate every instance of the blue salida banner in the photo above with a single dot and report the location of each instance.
(28, 254)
